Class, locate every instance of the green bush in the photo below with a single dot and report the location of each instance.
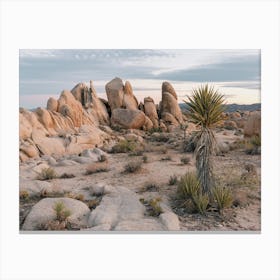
(61, 212)
(223, 197)
(189, 185)
(124, 146)
(47, 174)
(173, 180)
(133, 166)
(201, 202)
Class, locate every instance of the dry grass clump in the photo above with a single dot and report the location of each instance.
(23, 195)
(222, 197)
(124, 146)
(167, 158)
(97, 167)
(253, 146)
(66, 176)
(160, 137)
(77, 196)
(185, 160)
(145, 159)
(138, 152)
(189, 189)
(152, 206)
(92, 204)
(61, 221)
(150, 187)
(47, 174)
(133, 166)
(173, 180)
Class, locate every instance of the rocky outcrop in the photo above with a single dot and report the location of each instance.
(130, 101)
(253, 125)
(126, 118)
(151, 111)
(169, 103)
(52, 104)
(120, 96)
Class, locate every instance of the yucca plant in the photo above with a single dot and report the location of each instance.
(205, 108)
(223, 197)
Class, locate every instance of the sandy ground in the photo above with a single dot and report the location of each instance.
(158, 169)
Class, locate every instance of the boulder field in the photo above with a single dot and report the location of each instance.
(80, 120)
(72, 123)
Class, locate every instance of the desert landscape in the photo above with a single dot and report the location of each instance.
(91, 164)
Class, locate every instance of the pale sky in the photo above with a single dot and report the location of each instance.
(45, 73)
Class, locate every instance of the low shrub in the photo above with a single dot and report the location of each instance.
(156, 209)
(47, 174)
(150, 187)
(75, 196)
(61, 212)
(185, 160)
(133, 166)
(124, 146)
(201, 202)
(222, 197)
(167, 158)
(188, 185)
(24, 195)
(173, 180)
(66, 176)
(145, 159)
(97, 167)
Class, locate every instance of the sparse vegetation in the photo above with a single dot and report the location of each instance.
(153, 206)
(77, 196)
(173, 180)
(201, 202)
(222, 197)
(150, 187)
(145, 158)
(97, 167)
(23, 194)
(133, 166)
(124, 146)
(47, 174)
(167, 158)
(61, 212)
(66, 176)
(185, 160)
(188, 186)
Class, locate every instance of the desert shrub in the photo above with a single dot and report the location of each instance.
(97, 167)
(92, 204)
(150, 187)
(188, 185)
(163, 150)
(173, 180)
(253, 146)
(185, 160)
(47, 174)
(137, 152)
(159, 137)
(23, 194)
(145, 159)
(66, 176)
(124, 146)
(223, 197)
(155, 209)
(133, 166)
(61, 212)
(189, 144)
(75, 196)
(167, 158)
(201, 202)
(102, 158)
(155, 129)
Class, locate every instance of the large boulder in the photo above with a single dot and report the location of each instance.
(52, 104)
(130, 101)
(126, 118)
(69, 107)
(167, 87)
(253, 125)
(84, 94)
(169, 105)
(115, 93)
(151, 111)
(43, 212)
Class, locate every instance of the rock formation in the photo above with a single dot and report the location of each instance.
(126, 118)
(151, 111)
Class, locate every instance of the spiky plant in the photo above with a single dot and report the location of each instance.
(205, 108)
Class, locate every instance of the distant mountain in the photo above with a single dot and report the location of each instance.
(233, 107)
